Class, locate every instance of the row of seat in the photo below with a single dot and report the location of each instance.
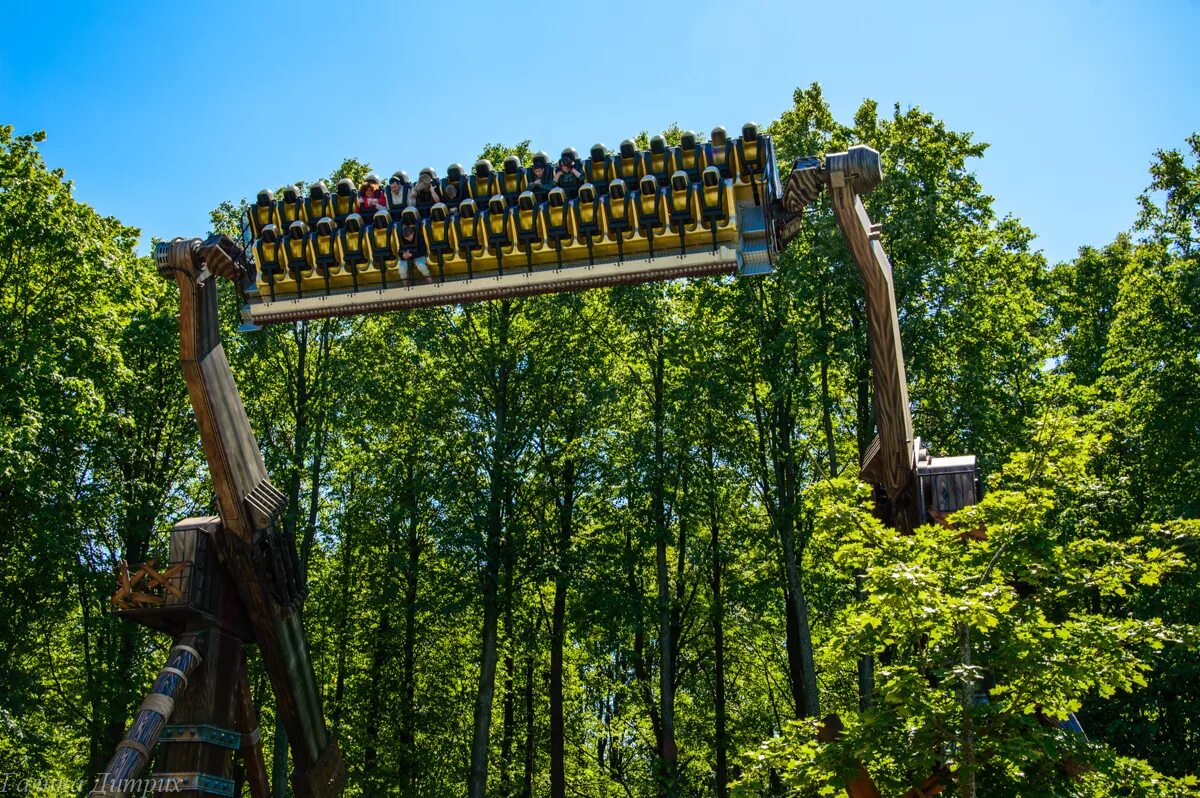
(474, 240)
(741, 160)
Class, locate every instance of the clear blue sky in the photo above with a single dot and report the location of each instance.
(159, 111)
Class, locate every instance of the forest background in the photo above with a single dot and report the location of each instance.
(637, 509)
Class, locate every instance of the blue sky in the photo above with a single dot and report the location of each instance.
(159, 111)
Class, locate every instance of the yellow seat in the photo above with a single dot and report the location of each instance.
(345, 201)
(269, 257)
(482, 183)
(556, 224)
(657, 161)
(587, 217)
(437, 238)
(292, 208)
(324, 250)
(598, 169)
(683, 210)
(512, 180)
(750, 163)
(383, 241)
(263, 212)
(526, 227)
(720, 153)
(295, 255)
(356, 246)
(410, 240)
(498, 230)
(716, 204)
(469, 240)
(319, 204)
(627, 165)
(650, 213)
(619, 222)
(689, 157)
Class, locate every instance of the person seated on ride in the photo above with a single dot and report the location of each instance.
(426, 192)
(568, 176)
(454, 186)
(397, 194)
(370, 196)
(540, 179)
(412, 253)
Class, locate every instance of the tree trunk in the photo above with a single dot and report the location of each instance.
(506, 745)
(667, 752)
(408, 711)
(558, 785)
(530, 730)
(721, 741)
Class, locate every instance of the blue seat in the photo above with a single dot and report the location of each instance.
(512, 180)
(598, 169)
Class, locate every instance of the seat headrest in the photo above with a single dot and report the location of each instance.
(525, 201)
(616, 189)
(599, 152)
(454, 171)
(428, 172)
(291, 194)
(354, 223)
(324, 226)
(750, 131)
(512, 164)
(483, 167)
(344, 186)
(265, 197)
(658, 145)
(628, 148)
(438, 212)
(648, 184)
(400, 175)
(719, 135)
(410, 216)
(679, 181)
(297, 229)
(496, 204)
(570, 152)
(541, 159)
(587, 193)
(318, 191)
(688, 140)
(270, 233)
(381, 218)
(466, 208)
(557, 197)
(711, 176)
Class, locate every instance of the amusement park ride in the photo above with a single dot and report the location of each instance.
(234, 579)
